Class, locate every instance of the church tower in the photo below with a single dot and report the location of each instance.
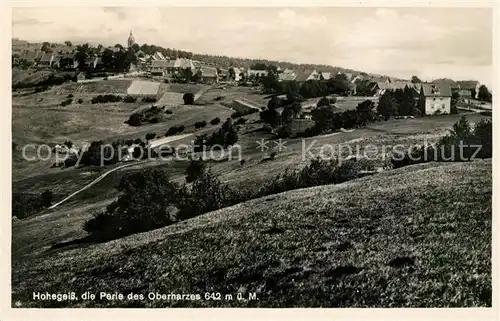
(131, 39)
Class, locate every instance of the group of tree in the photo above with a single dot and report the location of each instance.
(328, 118)
(225, 137)
(399, 102)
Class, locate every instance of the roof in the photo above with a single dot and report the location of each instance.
(183, 63)
(305, 75)
(287, 76)
(31, 55)
(251, 72)
(446, 81)
(46, 57)
(208, 72)
(468, 84)
(162, 64)
(395, 85)
(326, 75)
(437, 90)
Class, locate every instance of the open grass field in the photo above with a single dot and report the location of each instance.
(110, 86)
(367, 242)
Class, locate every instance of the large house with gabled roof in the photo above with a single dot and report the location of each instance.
(435, 99)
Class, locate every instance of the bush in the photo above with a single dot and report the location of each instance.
(146, 202)
(46, 198)
(80, 101)
(215, 121)
(136, 119)
(24, 205)
(129, 99)
(70, 96)
(194, 170)
(284, 132)
(150, 136)
(103, 99)
(172, 131)
(240, 121)
(149, 100)
(188, 98)
(168, 112)
(180, 128)
(236, 114)
(462, 144)
(200, 124)
(207, 194)
(67, 102)
(323, 102)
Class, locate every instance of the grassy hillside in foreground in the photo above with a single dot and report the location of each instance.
(417, 236)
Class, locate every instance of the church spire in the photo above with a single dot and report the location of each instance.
(131, 40)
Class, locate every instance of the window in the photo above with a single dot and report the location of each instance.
(434, 98)
(442, 106)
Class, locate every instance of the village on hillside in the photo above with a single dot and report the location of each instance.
(152, 177)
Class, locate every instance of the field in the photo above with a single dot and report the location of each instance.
(140, 87)
(110, 86)
(378, 245)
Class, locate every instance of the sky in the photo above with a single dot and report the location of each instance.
(400, 42)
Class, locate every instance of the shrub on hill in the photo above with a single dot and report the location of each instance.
(215, 121)
(80, 101)
(172, 131)
(149, 100)
(241, 121)
(25, 204)
(147, 201)
(462, 144)
(129, 99)
(194, 170)
(67, 102)
(70, 96)
(136, 119)
(200, 124)
(188, 98)
(150, 136)
(108, 98)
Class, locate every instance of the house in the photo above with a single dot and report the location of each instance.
(31, 56)
(326, 75)
(209, 75)
(46, 60)
(435, 98)
(303, 76)
(287, 75)
(161, 67)
(237, 74)
(468, 87)
(68, 62)
(256, 73)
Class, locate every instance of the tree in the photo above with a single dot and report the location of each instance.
(135, 47)
(415, 80)
(194, 170)
(46, 198)
(107, 59)
(188, 98)
(82, 53)
(46, 46)
(365, 111)
(68, 43)
(232, 74)
(455, 96)
(150, 136)
(484, 94)
(338, 85)
(119, 46)
(387, 105)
